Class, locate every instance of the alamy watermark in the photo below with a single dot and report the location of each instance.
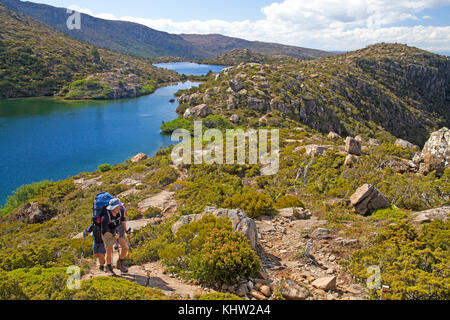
(74, 279)
(239, 147)
(74, 20)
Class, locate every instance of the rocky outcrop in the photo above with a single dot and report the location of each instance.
(432, 214)
(405, 144)
(435, 155)
(368, 199)
(258, 104)
(201, 111)
(334, 136)
(235, 118)
(236, 84)
(34, 212)
(241, 222)
(139, 157)
(352, 146)
(316, 150)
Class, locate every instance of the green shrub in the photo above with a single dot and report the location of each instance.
(392, 214)
(10, 288)
(179, 123)
(217, 296)
(414, 265)
(162, 177)
(40, 283)
(104, 167)
(289, 201)
(109, 288)
(22, 195)
(254, 203)
(224, 256)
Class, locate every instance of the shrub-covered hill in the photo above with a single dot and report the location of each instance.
(238, 56)
(37, 60)
(382, 90)
(31, 253)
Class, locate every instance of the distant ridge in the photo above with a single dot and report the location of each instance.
(135, 39)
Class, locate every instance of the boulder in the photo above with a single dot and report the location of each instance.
(435, 155)
(258, 104)
(200, 111)
(241, 222)
(292, 291)
(360, 139)
(325, 284)
(295, 213)
(405, 144)
(316, 150)
(368, 199)
(320, 233)
(334, 136)
(235, 118)
(373, 142)
(431, 215)
(350, 160)
(34, 212)
(236, 84)
(398, 165)
(352, 146)
(139, 157)
(242, 290)
(232, 103)
(265, 290)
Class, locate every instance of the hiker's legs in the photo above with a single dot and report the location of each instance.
(109, 241)
(124, 248)
(101, 259)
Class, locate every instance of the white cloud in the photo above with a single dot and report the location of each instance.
(322, 24)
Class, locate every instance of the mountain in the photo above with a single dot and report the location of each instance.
(218, 44)
(37, 60)
(382, 90)
(135, 39)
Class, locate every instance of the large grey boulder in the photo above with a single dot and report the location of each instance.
(236, 85)
(368, 199)
(352, 146)
(240, 221)
(435, 155)
(430, 215)
(200, 111)
(405, 144)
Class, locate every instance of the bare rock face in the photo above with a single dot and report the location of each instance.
(258, 104)
(139, 157)
(235, 118)
(201, 111)
(334, 136)
(368, 199)
(241, 222)
(295, 213)
(316, 150)
(432, 214)
(405, 144)
(33, 212)
(435, 155)
(352, 146)
(236, 85)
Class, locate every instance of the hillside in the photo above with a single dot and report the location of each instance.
(37, 60)
(381, 91)
(238, 56)
(139, 40)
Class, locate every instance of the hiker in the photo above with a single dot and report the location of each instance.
(98, 246)
(113, 228)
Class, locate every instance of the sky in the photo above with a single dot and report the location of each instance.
(334, 25)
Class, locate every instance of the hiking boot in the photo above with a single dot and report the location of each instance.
(102, 268)
(121, 266)
(110, 271)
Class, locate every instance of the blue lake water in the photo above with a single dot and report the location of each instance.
(189, 68)
(49, 139)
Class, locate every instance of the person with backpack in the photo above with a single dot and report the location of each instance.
(113, 228)
(98, 246)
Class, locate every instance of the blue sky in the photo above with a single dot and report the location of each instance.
(321, 24)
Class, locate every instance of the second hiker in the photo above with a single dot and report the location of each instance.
(113, 228)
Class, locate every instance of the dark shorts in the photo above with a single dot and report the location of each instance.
(99, 248)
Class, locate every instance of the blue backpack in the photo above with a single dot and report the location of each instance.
(101, 201)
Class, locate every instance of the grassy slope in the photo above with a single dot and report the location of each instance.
(37, 60)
